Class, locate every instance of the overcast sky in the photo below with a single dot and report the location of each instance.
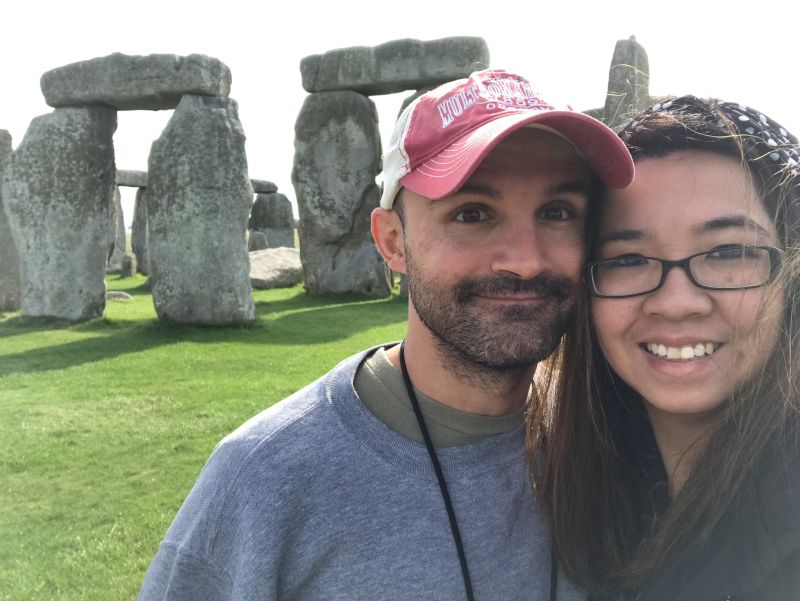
(704, 48)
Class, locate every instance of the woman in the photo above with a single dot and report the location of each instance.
(669, 464)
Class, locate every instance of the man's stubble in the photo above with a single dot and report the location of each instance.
(486, 343)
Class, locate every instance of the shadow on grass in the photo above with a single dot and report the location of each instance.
(77, 352)
(324, 323)
(18, 324)
(298, 320)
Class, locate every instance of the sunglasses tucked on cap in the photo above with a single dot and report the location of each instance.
(441, 137)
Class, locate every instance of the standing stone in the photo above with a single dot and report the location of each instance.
(336, 160)
(128, 266)
(116, 234)
(628, 83)
(58, 195)
(272, 214)
(257, 241)
(198, 200)
(9, 261)
(139, 237)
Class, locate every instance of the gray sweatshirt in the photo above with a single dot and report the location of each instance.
(316, 498)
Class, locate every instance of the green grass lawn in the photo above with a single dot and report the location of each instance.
(105, 425)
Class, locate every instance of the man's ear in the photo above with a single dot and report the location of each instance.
(387, 231)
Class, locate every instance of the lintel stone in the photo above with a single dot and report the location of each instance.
(261, 186)
(131, 179)
(126, 82)
(394, 66)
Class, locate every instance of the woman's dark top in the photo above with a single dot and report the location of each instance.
(753, 554)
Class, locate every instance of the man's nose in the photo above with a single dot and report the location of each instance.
(519, 251)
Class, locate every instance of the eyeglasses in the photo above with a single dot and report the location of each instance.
(733, 267)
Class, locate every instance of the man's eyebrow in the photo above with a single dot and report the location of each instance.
(577, 186)
(729, 221)
(477, 189)
(617, 235)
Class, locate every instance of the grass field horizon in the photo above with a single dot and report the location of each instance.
(106, 424)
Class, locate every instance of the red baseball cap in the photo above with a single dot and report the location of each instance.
(442, 137)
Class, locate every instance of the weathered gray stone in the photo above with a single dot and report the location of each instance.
(258, 213)
(272, 214)
(128, 266)
(409, 99)
(58, 193)
(198, 200)
(275, 268)
(9, 261)
(257, 241)
(116, 234)
(280, 225)
(403, 292)
(118, 295)
(337, 156)
(152, 82)
(262, 186)
(139, 237)
(628, 83)
(394, 66)
(131, 179)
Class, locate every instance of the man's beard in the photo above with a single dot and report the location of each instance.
(499, 338)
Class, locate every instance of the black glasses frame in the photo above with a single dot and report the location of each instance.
(775, 262)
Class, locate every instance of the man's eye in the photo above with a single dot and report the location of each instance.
(556, 213)
(472, 215)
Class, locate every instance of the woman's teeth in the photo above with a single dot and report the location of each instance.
(682, 353)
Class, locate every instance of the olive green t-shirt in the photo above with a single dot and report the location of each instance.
(381, 388)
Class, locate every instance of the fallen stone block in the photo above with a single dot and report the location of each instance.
(118, 295)
(275, 268)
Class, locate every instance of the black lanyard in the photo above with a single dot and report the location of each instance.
(451, 516)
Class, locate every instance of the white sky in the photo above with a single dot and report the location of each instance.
(706, 48)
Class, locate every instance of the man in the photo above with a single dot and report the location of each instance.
(331, 494)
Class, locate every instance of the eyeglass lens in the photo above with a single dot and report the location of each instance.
(726, 268)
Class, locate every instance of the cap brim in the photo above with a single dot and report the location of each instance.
(600, 147)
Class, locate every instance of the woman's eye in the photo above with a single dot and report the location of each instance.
(731, 251)
(629, 261)
(472, 215)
